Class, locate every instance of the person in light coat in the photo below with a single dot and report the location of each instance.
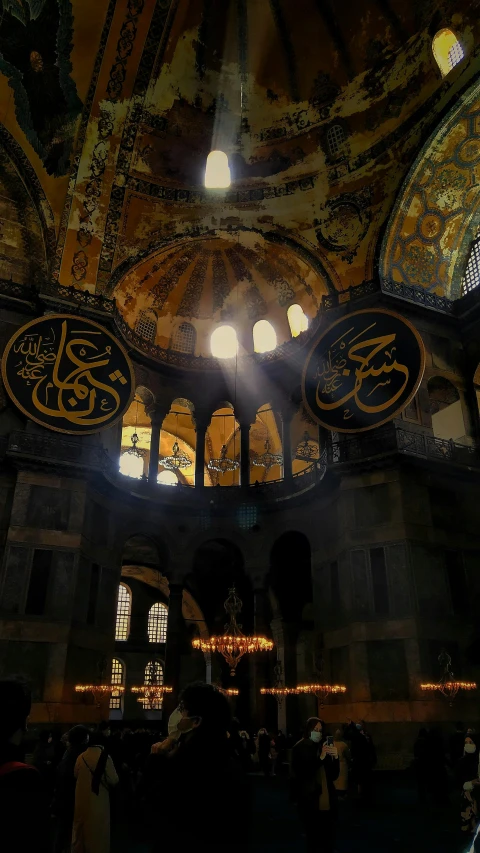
(96, 776)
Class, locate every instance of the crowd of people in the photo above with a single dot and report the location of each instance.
(73, 783)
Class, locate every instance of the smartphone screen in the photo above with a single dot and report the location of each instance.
(329, 740)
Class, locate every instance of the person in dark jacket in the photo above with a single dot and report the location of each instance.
(63, 804)
(314, 769)
(263, 748)
(189, 774)
(466, 776)
(364, 758)
(23, 806)
(44, 760)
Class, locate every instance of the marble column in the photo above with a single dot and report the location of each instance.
(156, 421)
(201, 431)
(244, 454)
(174, 646)
(287, 445)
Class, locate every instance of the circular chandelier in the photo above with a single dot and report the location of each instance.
(139, 452)
(100, 690)
(178, 459)
(321, 691)
(268, 459)
(279, 691)
(223, 464)
(151, 692)
(233, 645)
(448, 686)
(307, 450)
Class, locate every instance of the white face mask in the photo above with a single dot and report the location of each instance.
(470, 748)
(316, 736)
(173, 722)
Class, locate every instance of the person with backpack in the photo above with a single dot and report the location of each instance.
(24, 812)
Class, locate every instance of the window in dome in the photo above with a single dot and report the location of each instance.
(157, 623)
(336, 139)
(447, 50)
(146, 325)
(297, 319)
(124, 606)
(167, 478)
(131, 465)
(264, 336)
(184, 338)
(153, 675)
(217, 172)
(471, 279)
(118, 677)
(224, 343)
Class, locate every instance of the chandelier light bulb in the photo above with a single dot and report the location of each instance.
(217, 172)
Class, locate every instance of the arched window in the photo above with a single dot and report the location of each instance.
(471, 279)
(184, 338)
(167, 478)
(297, 319)
(124, 607)
(153, 676)
(335, 139)
(157, 623)
(264, 336)
(131, 465)
(146, 325)
(447, 50)
(217, 172)
(118, 677)
(224, 343)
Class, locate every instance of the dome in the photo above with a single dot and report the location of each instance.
(178, 297)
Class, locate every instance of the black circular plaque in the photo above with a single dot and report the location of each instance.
(363, 370)
(68, 374)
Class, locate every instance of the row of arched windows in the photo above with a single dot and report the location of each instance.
(157, 618)
(153, 675)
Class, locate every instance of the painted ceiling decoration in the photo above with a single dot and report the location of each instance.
(115, 105)
(436, 216)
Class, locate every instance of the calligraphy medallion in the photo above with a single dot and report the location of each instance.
(68, 374)
(363, 370)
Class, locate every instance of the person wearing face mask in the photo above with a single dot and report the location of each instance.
(195, 770)
(466, 774)
(314, 770)
(364, 758)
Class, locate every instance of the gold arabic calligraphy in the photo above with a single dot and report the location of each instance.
(78, 397)
(354, 357)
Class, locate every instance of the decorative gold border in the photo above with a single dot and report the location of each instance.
(409, 398)
(78, 320)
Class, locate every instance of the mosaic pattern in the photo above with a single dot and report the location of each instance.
(434, 221)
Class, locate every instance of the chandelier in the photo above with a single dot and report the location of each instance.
(228, 691)
(321, 691)
(307, 450)
(268, 459)
(279, 691)
(223, 464)
(100, 690)
(151, 692)
(447, 685)
(233, 644)
(138, 452)
(177, 459)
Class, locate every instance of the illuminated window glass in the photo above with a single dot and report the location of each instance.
(224, 343)
(297, 320)
(184, 338)
(471, 279)
(131, 466)
(447, 50)
(335, 139)
(167, 478)
(124, 606)
(118, 677)
(146, 325)
(153, 675)
(217, 172)
(264, 336)
(157, 623)
(247, 515)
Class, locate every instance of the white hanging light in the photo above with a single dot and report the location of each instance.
(217, 172)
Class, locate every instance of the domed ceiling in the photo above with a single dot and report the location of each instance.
(110, 109)
(235, 279)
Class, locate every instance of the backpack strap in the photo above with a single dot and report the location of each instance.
(11, 766)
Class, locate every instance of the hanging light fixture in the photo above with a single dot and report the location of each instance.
(233, 645)
(448, 686)
(178, 458)
(268, 459)
(279, 691)
(135, 452)
(321, 691)
(308, 449)
(217, 171)
(223, 464)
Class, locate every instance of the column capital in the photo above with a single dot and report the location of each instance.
(157, 414)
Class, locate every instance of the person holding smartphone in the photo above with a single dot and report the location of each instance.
(314, 769)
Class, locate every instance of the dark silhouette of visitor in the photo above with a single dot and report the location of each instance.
(364, 758)
(314, 769)
(23, 805)
(63, 803)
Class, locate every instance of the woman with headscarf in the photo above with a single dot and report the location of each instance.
(63, 804)
(315, 767)
(96, 775)
(466, 774)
